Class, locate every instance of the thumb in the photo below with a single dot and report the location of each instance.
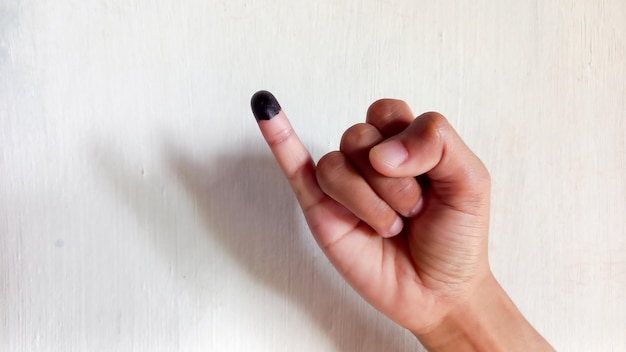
(431, 146)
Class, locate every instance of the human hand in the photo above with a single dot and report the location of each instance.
(416, 252)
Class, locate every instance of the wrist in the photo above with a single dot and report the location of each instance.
(486, 321)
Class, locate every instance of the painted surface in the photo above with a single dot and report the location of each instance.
(141, 211)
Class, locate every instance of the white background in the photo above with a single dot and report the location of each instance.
(140, 210)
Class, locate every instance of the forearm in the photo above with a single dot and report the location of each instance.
(488, 321)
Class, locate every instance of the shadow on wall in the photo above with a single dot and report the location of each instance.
(246, 203)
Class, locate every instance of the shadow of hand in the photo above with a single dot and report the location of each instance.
(247, 205)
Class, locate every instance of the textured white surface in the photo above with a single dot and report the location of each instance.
(141, 211)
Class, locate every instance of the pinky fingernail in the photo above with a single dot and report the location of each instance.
(396, 227)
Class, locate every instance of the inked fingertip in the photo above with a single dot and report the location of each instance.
(264, 105)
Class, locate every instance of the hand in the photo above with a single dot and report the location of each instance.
(440, 256)
(416, 252)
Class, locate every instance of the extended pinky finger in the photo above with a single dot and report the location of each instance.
(292, 156)
(328, 219)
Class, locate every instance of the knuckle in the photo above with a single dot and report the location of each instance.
(329, 168)
(383, 109)
(435, 126)
(359, 135)
(380, 107)
(386, 106)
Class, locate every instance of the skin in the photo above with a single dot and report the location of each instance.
(417, 251)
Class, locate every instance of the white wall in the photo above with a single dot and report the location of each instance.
(141, 211)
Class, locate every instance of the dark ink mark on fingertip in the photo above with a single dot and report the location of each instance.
(264, 105)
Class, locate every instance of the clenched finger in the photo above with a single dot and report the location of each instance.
(403, 194)
(340, 180)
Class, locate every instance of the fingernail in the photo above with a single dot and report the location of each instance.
(418, 208)
(396, 227)
(264, 105)
(392, 153)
